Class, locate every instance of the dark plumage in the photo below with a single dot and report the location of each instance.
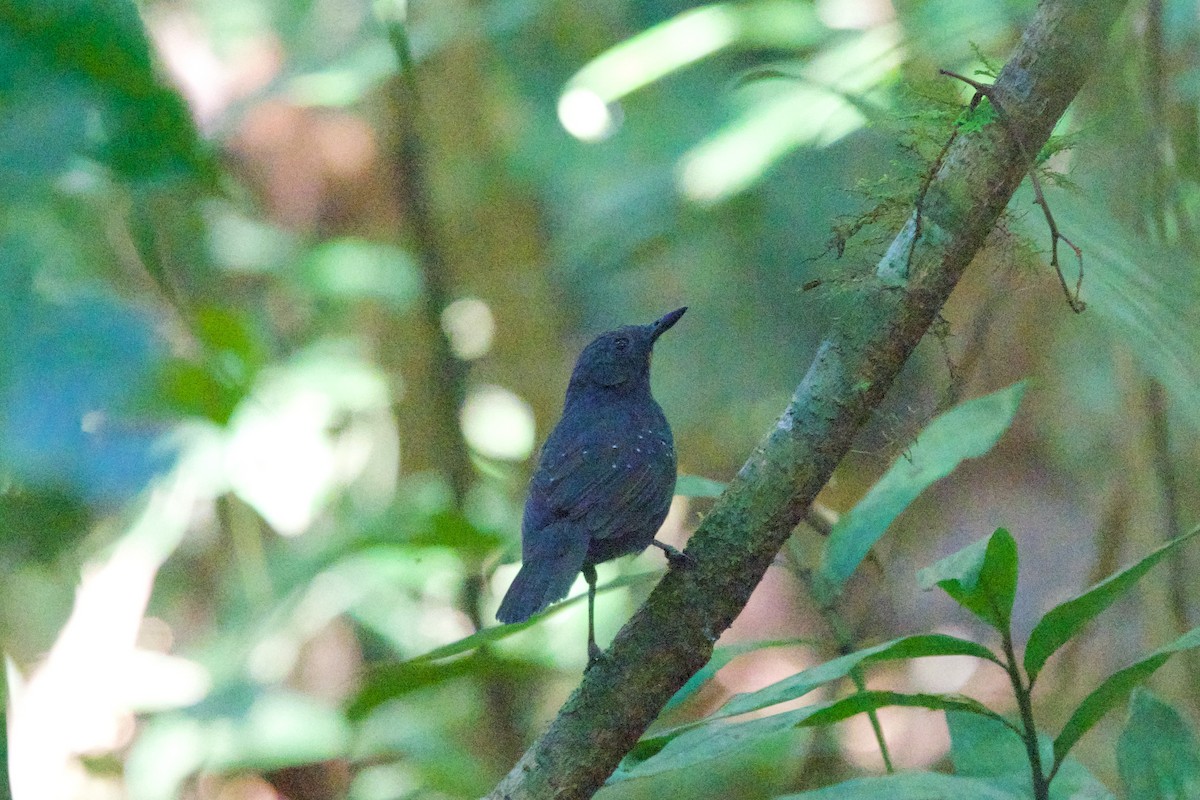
(605, 478)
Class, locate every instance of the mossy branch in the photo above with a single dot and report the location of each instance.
(671, 636)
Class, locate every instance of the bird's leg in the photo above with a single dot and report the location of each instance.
(589, 575)
(674, 556)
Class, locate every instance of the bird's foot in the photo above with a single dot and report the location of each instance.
(675, 557)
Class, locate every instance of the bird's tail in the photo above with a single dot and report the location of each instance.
(544, 577)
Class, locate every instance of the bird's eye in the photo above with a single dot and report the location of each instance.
(622, 343)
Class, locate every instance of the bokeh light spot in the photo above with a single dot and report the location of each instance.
(470, 327)
(585, 115)
(498, 424)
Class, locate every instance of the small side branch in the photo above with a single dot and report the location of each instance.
(983, 90)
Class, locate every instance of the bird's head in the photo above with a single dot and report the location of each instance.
(620, 359)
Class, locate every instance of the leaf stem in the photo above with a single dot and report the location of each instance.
(1023, 691)
(845, 645)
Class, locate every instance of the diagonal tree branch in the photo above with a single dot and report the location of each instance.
(672, 634)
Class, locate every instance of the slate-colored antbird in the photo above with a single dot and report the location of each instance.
(605, 478)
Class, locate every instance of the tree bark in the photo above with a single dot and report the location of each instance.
(671, 636)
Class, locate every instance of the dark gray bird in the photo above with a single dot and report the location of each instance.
(605, 479)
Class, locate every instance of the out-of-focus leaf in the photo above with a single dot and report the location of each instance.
(802, 683)
(38, 523)
(982, 577)
(243, 730)
(908, 786)
(351, 269)
(232, 339)
(453, 530)
(721, 656)
(696, 486)
(1157, 753)
(1114, 690)
(966, 431)
(823, 105)
(384, 682)
(986, 749)
(93, 58)
(1066, 619)
(1139, 290)
(285, 437)
(862, 702)
(701, 745)
(689, 37)
(493, 634)
(954, 31)
(190, 389)
(233, 353)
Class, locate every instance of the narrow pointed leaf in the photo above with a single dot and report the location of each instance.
(498, 632)
(1114, 690)
(863, 702)
(699, 745)
(802, 683)
(1065, 620)
(720, 657)
(966, 431)
(981, 577)
(696, 745)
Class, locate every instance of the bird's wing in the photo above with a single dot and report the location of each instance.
(596, 488)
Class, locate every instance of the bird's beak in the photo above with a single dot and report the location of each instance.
(662, 325)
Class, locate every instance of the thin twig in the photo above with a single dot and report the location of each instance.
(919, 204)
(985, 90)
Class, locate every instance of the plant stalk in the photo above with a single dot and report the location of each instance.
(1041, 784)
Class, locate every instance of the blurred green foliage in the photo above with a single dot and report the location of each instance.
(220, 364)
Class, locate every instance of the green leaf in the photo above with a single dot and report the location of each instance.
(696, 486)
(452, 529)
(800, 684)
(987, 749)
(1157, 753)
(235, 728)
(94, 60)
(1065, 620)
(981, 577)
(679, 42)
(1141, 292)
(700, 745)
(384, 682)
(355, 269)
(966, 431)
(909, 786)
(498, 632)
(40, 523)
(862, 702)
(705, 742)
(721, 656)
(1114, 690)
